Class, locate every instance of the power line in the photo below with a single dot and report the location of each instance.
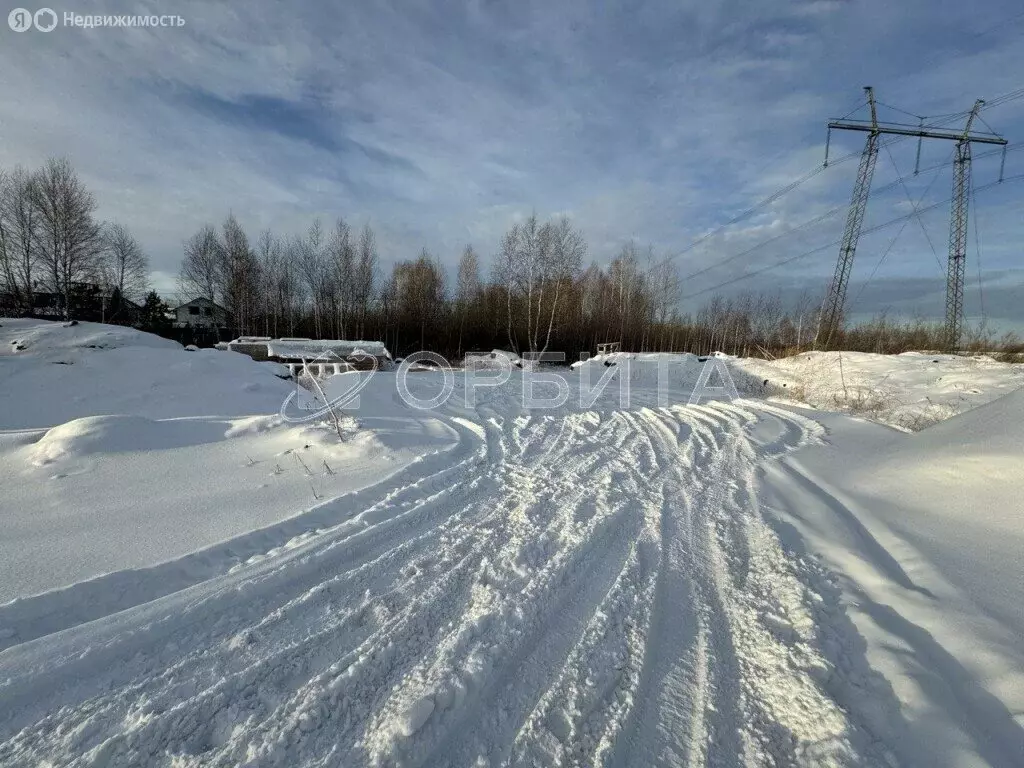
(913, 214)
(819, 249)
(827, 214)
(914, 207)
(758, 206)
(998, 101)
(896, 109)
(951, 117)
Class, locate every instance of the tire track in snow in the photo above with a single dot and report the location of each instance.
(512, 622)
(29, 618)
(586, 595)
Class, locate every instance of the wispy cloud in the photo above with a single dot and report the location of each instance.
(442, 122)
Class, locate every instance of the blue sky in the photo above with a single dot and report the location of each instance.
(441, 123)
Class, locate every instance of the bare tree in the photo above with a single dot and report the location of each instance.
(240, 272)
(363, 278)
(273, 303)
(19, 223)
(565, 248)
(124, 266)
(665, 284)
(69, 239)
(419, 293)
(341, 273)
(504, 274)
(315, 272)
(202, 268)
(467, 288)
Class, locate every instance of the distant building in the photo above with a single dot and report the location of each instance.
(201, 313)
(86, 301)
(333, 354)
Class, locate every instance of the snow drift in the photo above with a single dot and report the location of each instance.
(64, 372)
(119, 434)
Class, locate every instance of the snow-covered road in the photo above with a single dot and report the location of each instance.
(566, 588)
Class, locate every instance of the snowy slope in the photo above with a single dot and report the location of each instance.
(51, 374)
(909, 391)
(926, 535)
(154, 453)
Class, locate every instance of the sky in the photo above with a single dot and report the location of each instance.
(443, 123)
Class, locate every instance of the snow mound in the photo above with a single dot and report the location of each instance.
(493, 360)
(22, 335)
(119, 434)
(996, 427)
(910, 391)
(63, 373)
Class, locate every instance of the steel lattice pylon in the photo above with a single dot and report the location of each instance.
(835, 300)
(831, 319)
(957, 247)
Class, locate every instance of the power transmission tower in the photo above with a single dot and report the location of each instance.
(832, 310)
(831, 319)
(958, 237)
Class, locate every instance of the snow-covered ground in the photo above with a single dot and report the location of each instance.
(621, 584)
(909, 391)
(120, 450)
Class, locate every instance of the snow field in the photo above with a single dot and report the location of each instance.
(649, 583)
(580, 592)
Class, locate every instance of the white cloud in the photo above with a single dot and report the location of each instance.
(441, 123)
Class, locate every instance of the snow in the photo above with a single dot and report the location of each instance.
(753, 582)
(19, 335)
(137, 453)
(66, 373)
(297, 349)
(494, 360)
(924, 535)
(908, 391)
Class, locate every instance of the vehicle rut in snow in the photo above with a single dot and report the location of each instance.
(594, 588)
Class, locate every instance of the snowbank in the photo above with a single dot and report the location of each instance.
(924, 534)
(19, 336)
(955, 493)
(51, 373)
(909, 391)
(120, 449)
(118, 434)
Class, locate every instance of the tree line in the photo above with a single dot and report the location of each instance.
(52, 246)
(536, 294)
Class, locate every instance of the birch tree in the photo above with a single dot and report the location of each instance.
(363, 278)
(19, 225)
(69, 239)
(124, 266)
(467, 288)
(201, 274)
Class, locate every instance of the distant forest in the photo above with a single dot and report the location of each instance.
(536, 294)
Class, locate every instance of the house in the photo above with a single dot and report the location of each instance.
(86, 301)
(201, 313)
